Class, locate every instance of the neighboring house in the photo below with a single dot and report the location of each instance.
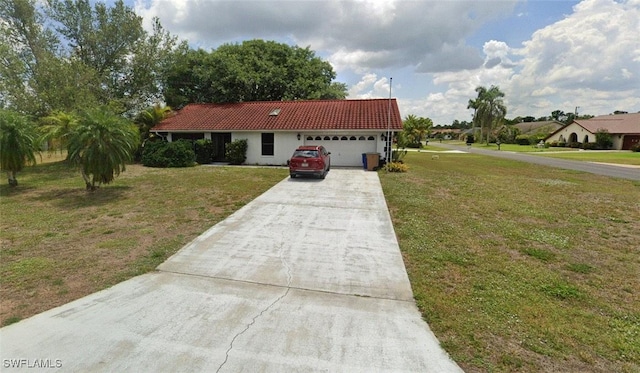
(538, 128)
(446, 133)
(623, 128)
(273, 129)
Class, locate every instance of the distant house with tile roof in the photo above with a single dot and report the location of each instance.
(535, 128)
(624, 130)
(273, 129)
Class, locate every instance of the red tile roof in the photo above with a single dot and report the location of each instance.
(294, 115)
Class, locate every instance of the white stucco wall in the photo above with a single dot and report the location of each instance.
(568, 130)
(286, 142)
(581, 133)
(284, 145)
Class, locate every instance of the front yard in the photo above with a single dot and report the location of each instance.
(517, 267)
(59, 243)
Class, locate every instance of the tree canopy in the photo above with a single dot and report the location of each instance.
(414, 130)
(489, 109)
(18, 144)
(254, 70)
(69, 55)
(100, 145)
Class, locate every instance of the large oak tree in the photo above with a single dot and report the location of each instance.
(255, 70)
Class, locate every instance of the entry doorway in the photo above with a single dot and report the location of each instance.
(220, 141)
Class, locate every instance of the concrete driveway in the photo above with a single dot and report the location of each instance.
(308, 277)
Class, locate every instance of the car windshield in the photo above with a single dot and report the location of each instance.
(306, 153)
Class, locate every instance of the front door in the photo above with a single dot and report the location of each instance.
(220, 141)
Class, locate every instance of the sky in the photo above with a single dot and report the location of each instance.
(431, 55)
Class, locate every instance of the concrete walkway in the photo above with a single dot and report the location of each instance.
(307, 277)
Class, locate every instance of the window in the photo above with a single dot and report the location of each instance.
(327, 138)
(267, 143)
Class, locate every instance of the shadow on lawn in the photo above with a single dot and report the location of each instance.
(74, 198)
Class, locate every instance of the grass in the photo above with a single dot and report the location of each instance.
(59, 242)
(618, 157)
(517, 267)
(624, 157)
(511, 147)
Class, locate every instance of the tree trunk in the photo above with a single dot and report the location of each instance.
(87, 181)
(13, 182)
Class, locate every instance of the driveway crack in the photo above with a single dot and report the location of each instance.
(256, 317)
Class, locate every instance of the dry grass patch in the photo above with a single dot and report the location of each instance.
(60, 242)
(518, 267)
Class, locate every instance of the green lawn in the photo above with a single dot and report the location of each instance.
(518, 267)
(606, 156)
(621, 157)
(59, 242)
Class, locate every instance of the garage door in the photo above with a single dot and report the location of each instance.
(346, 150)
(630, 141)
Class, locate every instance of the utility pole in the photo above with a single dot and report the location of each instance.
(389, 140)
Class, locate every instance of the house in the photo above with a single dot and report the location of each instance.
(273, 129)
(535, 128)
(623, 128)
(445, 133)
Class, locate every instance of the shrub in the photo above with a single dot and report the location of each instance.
(636, 148)
(205, 150)
(237, 151)
(168, 154)
(396, 167)
(523, 140)
(575, 145)
(590, 146)
(562, 144)
(603, 139)
(397, 155)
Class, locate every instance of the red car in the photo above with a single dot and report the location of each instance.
(310, 160)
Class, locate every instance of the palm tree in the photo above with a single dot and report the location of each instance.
(145, 121)
(101, 144)
(149, 118)
(58, 127)
(489, 109)
(18, 144)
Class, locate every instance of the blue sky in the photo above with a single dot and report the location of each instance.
(545, 55)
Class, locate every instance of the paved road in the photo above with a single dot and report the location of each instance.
(307, 277)
(622, 172)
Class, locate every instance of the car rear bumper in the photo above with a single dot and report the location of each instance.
(305, 171)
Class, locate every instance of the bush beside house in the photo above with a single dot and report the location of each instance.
(168, 154)
(236, 152)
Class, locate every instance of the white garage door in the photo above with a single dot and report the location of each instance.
(346, 150)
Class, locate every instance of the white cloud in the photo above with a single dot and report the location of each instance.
(589, 58)
(370, 86)
(357, 34)
(593, 50)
